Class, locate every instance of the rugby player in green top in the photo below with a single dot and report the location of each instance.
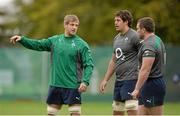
(72, 66)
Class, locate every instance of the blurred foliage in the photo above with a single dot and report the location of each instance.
(44, 18)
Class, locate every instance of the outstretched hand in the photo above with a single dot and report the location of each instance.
(15, 39)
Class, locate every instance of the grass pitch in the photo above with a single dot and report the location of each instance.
(88, 108)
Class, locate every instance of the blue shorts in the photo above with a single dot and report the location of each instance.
(153, 92)
(59, 95)
(123, 89)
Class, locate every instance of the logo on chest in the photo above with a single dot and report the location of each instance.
(73, 44)
(126, 39)
(119, 54)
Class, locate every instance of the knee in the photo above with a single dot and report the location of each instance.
(118, 106)
(52, 111)
(131, 104)
(76, 110)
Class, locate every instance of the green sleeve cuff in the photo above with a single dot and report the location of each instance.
(86, 83)
(22, 39)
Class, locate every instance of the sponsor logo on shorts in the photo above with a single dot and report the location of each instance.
(149, 101)
(78, 98)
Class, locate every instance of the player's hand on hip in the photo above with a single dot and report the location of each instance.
(102, 86)
(15, 39)
(82, 87)
(135, 94)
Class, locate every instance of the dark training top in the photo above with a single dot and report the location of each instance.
(126, 48)
(154, 47)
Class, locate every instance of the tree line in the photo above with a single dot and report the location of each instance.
(44, 18)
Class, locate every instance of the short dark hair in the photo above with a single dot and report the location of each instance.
(147, 23)
(125, 15)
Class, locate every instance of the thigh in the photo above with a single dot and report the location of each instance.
(59, 96)
(142, 110)
(54, 96)
(117, 91)
(127, 88)
(157, 110)
(153, 93)
(71, 96)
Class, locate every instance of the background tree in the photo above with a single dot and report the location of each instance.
(44, 18)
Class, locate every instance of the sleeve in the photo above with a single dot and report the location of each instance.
(148, 51)
(39, 45)
(87, 64)
(115, 38)
(137, 41)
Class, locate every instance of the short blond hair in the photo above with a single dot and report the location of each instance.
(70, 18)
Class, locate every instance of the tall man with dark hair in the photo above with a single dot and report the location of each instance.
(150, 87)
(124, 63)
(72, 66)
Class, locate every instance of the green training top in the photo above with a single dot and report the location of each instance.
(71, 59)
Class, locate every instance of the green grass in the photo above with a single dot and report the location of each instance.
(88, 108)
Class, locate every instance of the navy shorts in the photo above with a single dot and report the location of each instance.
(59, 95)
(153, 92)
(123, 89)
